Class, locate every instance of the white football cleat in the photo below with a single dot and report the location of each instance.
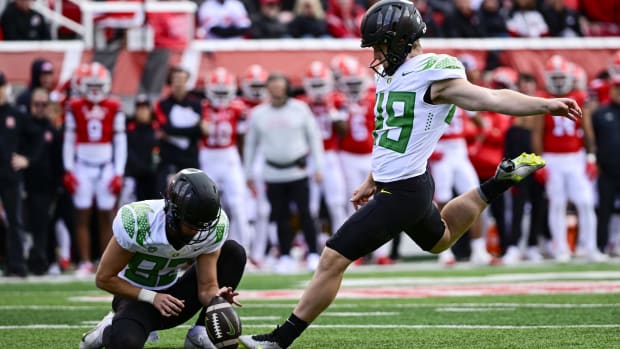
(312, 261)
(93, 339)
(260, 341)
(197, 338)
(512, 256)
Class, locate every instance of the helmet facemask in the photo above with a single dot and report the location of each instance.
(174, 228)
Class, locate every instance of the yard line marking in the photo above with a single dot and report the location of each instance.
(495, 278)
(471, 309)
(256, 318)
(409, 305)
(361, 313)
(354, 326)
(49, 307)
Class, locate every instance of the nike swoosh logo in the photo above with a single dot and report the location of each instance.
(385, 192)
(231, 331)
(409, 72)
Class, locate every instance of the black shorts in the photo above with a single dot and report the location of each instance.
(405, 205)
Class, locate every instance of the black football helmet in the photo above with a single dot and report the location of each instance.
(396, 23)
(191, 199)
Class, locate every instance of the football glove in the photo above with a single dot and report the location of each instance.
(70, 182)
(116, 184)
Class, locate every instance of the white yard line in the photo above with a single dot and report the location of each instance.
(355, 326)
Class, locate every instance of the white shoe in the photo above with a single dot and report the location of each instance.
(596, 256)
(85, 269)
(312, 261)
(533, 254)
(93, 339)
(480, 257)
(562, 257)
(512, 256)
(261, 341)
(285, 265)
(197, 338)
(153, 337)
(446, 258)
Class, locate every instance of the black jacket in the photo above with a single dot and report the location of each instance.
(180, 146)
(19, 25)
(140, 145)
(17, 136)
(23, 100)
(606, 125)
(44, 175)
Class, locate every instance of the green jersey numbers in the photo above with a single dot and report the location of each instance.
(141, 210)
(153, 271)
(394, 120)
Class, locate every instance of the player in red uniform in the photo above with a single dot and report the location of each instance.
(253, 85)
(219, 156)
(569, 170)
(327, 107)
(94, 156)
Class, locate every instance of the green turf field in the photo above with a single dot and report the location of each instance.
(569, 306)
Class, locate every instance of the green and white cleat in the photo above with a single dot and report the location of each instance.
(518, 168)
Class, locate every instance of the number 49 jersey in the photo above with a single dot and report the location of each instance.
(139, 227)
(406, 127)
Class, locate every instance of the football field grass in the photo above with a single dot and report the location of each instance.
(412, 305)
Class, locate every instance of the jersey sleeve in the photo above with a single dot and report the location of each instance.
(132, 225)
(124, 228)
(442, 67)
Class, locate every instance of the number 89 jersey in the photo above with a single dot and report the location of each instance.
(139, 227)
(406, 127)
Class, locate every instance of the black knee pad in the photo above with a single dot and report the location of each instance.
(233, 249)
(125, 334)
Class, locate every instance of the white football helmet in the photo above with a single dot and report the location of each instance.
(353, 81)
(96, 83)
(254, 84)
(221, 87)
(559, 79)
(318, 81)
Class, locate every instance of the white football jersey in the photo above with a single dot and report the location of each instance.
(407, 128)
(139, 227)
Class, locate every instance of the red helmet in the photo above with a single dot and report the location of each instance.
(353, 80)
(580, 77)
(504, 77)
(76, 79)
(318, 81)
(559, 76)
(221, 87)
(337, 63)
(95, 83)
(254, 83)
(614, 64)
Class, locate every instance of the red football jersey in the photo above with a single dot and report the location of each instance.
(225, 124)
(324, 112)
(94, 123)
(360, 126)
(562, 135)
(456, 129)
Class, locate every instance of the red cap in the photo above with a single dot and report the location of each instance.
(265, 2)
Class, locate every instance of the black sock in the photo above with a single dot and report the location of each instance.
(493, 188)
(290, 330)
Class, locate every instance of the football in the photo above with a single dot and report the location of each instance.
(222, 323)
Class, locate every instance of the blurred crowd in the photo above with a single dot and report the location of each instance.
(262, 19)
(287, 158)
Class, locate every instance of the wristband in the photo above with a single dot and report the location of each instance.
(147, 296)
(590, 157)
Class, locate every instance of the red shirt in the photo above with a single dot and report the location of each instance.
(224, 125)
(360, 126)
(489, 152)
(562, 135)
(94, 123)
